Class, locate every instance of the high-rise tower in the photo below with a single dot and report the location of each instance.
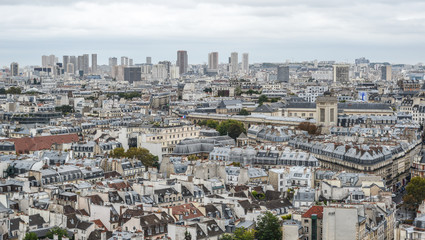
(182, 61)
(213, 60)
(94, 63)
(245, 62)
(234, 62)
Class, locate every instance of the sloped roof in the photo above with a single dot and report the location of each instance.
(318, 210)
(264, 109)
(29, 144)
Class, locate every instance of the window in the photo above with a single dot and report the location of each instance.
(322, 115)
(332, 116)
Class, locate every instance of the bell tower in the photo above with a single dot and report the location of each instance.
(326, 111)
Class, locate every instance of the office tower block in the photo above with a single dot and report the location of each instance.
(130, 62)
(245, 62)
(182, 60)
(234, 62)
(70, 68)
(386, 73)
(86, 63)
(341, 73)
(65, 62)
(52, 60)
(73, 60)
(213, 60)
(148, 60)
(14, 69)
(44, 60)
(174, 72)
(113, 61)
(283, 73)
(80, 63)
(159, 72)
(167, 65)
(132, 74)
(362, 60)
(48, 61)
(94, 63)
(124, 61)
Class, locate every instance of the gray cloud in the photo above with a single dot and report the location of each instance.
(251, 23)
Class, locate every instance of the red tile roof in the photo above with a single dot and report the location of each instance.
(30, 144)
(99, 224)
(318, 210)
(188, 211)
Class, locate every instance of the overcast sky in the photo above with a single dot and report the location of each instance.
(269, 30)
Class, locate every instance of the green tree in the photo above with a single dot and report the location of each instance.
(226, 236)
(192, 157)
(244, 234)
(65, 109)
(202, 123)
(244, 112)
(235, 130)
(268, 227)
(30, 236)
(238, 91)
(231, 127)
(262, 99)
(212, 123)
(416, 190)
(141, 154)
(14, 90)
(118, 152)
(2, 91)
(57, 231)
(129, 95)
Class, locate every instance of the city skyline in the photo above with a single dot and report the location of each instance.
(271, 31)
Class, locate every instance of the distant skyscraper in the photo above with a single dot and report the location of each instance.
(130, 62)
(245, 62)
(124, 61)
(234, 62)
(48, 61)
(386, 73)
(362, 60)
(94, 63)
(44, 60)
(148, 60)
(73, 60)
(80, 63)
(52, 60)
(341, 73)
(113, 61)
(132, 74)
(182, 61)
(14, 69)
(213, 60)
(167, 65)
(86, 63)
(65, 63)
(159, 72)
(283, 73)
(70, 68)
